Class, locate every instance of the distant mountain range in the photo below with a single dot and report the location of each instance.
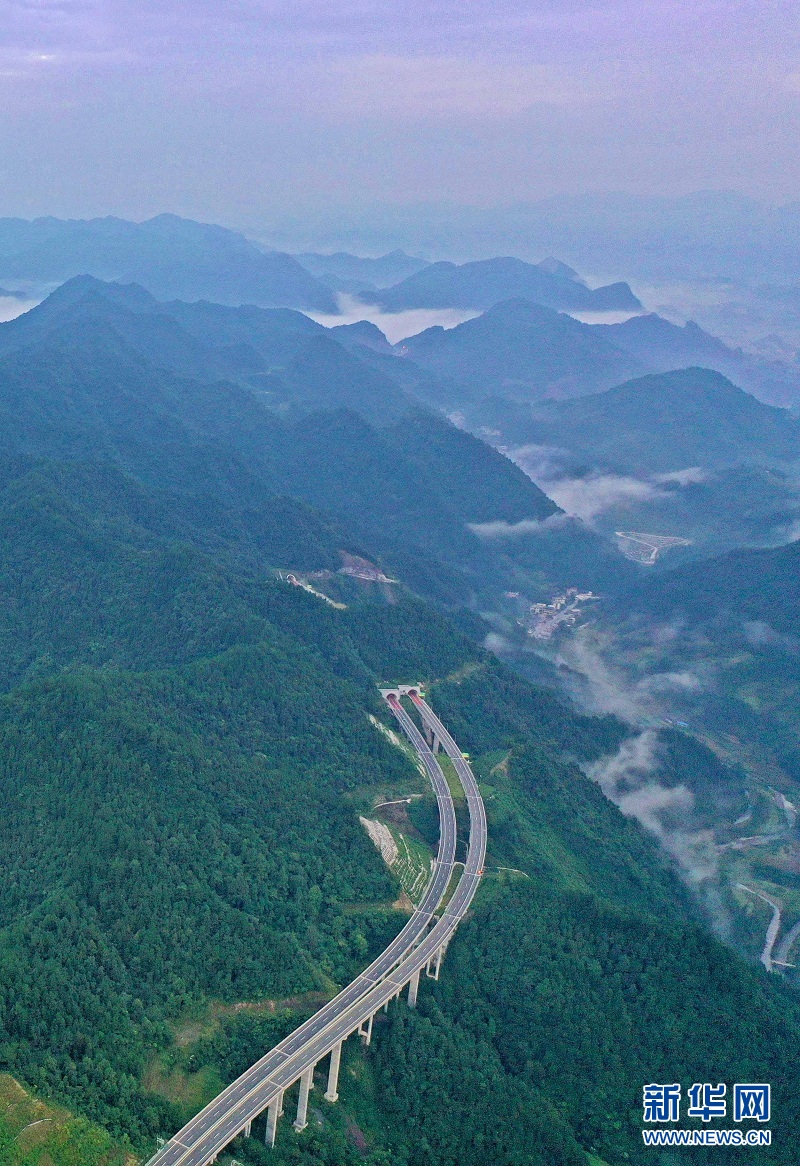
(353, 273)
(288, 359)
(229, 403)
(519, 375)
(178, 259)
(524, 352)
(663, 346)
(483, 284)
(171, 257)
(706, 234)
(683, 453)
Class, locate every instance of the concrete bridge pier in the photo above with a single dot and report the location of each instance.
(274, 1111)
(366, 1032)
(306, 1085)
(333, 1073)
(247, 1128)
(413, 988)
(435, 962)
(430, 736)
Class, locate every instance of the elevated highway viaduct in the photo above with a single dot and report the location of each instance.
(420, 945)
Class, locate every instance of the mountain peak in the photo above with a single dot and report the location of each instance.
(553, 266)
(362, 332)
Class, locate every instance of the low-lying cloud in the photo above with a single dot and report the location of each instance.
(691, 476)
(396, 326)
(586, 496)
(500, 529)
(602, 687)
(12, 306)
(629, 778)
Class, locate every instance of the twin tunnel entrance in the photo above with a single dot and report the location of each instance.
(402, 690)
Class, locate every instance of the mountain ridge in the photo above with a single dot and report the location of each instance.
(485, 282)
(172, 257)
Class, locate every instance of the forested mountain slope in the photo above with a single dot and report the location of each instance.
(328, 430)
(283, 355)
(186, 744)
(732, 623)
(741, 586)
(204, 800)
(691, 417)
(521, 351)
(581, 973)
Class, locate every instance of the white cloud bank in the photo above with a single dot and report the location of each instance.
(11, 307)
(396, 326)
(589, 495)
(500, 529)
(629, 779)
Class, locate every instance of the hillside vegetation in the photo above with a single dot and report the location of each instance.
(186, 744)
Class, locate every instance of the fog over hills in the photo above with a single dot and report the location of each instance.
(276, 406)
(706, 234)
(445, 350)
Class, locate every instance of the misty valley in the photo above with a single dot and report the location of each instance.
(244, 494)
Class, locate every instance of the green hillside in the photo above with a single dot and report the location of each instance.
(323, 428)
(668, 421)
(187, 741)
(33, 1133)
(520, 350)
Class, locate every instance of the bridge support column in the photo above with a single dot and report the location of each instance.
(366, 1033)
(413, 987)
(274, 1111)
(306, 1083)
(436, 743)
(333, 1073)
(435, 962)
(247, 1128)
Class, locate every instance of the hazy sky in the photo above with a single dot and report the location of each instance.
(237, 111)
